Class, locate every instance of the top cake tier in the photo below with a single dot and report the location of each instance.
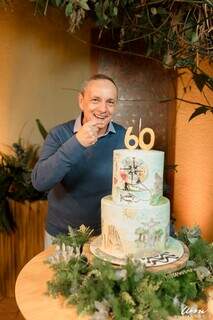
(137, 176)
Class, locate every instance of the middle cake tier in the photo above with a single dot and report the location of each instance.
(139, 230)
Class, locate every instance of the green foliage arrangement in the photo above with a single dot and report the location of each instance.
(176, 33)
(130, 292)
(15, 180)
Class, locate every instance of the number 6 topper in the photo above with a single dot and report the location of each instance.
(139, 141)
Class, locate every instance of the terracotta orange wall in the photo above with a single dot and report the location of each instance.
(39, 65)
(193, 189)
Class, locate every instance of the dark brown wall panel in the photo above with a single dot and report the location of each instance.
(142, 84)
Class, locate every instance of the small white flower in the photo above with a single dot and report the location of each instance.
(82, 228)
(120, 274)
(57, 257)
(77, 252)
(102, 312)
(63, 247)
(202, 272)
(51, 259)
(64, 255)
(139, 264)
(100, 316)
(176, 301)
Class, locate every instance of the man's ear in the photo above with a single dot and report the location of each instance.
(80, 101)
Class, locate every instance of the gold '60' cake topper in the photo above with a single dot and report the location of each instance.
(139, 140)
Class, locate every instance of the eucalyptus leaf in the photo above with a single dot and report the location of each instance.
(190, 263)
(58, 2)
(162, 11)
(84, 5)
(115, 11)
(69, 9)
(202, 272)
(194, 37)
(209, 3)
(154, 11)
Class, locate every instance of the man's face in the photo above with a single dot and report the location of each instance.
(98, 102)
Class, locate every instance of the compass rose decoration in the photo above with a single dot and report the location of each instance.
(133, 173)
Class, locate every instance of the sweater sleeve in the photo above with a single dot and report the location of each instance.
(55, 161)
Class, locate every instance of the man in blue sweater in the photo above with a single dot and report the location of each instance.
(75, 164)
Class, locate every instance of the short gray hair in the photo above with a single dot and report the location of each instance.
(97, 76)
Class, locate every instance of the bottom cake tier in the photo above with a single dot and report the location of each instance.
(139, 230)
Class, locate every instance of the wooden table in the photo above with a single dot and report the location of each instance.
(34, 304)
(30, 289)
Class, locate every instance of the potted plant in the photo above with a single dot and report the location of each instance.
(15, 180)
(22, 213)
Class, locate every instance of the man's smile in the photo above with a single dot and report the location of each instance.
(99, 116)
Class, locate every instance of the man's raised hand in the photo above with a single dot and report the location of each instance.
(88, 133)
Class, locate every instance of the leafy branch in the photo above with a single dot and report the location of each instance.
(178, 33)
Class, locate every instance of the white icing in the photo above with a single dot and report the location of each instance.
(141, 230)
(136, 218)
(137, 175)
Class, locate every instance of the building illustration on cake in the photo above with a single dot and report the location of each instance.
(136, 216)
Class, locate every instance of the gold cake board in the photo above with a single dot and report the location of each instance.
(91, 249)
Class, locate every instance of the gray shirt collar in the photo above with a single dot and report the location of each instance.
(78, 125)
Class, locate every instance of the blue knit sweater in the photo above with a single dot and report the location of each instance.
(76, 177)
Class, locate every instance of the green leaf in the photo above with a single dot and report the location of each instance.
(68, 10)
(58, 2)
(194, 37)
(200, 80)
(209, 2)
(153, 11)
(162, 11)
(41, 129)
(198, 111)
(84, 5)
(189, 30)
(115, 11)
(186, 62)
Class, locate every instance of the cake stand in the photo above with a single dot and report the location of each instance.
(173, 258)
